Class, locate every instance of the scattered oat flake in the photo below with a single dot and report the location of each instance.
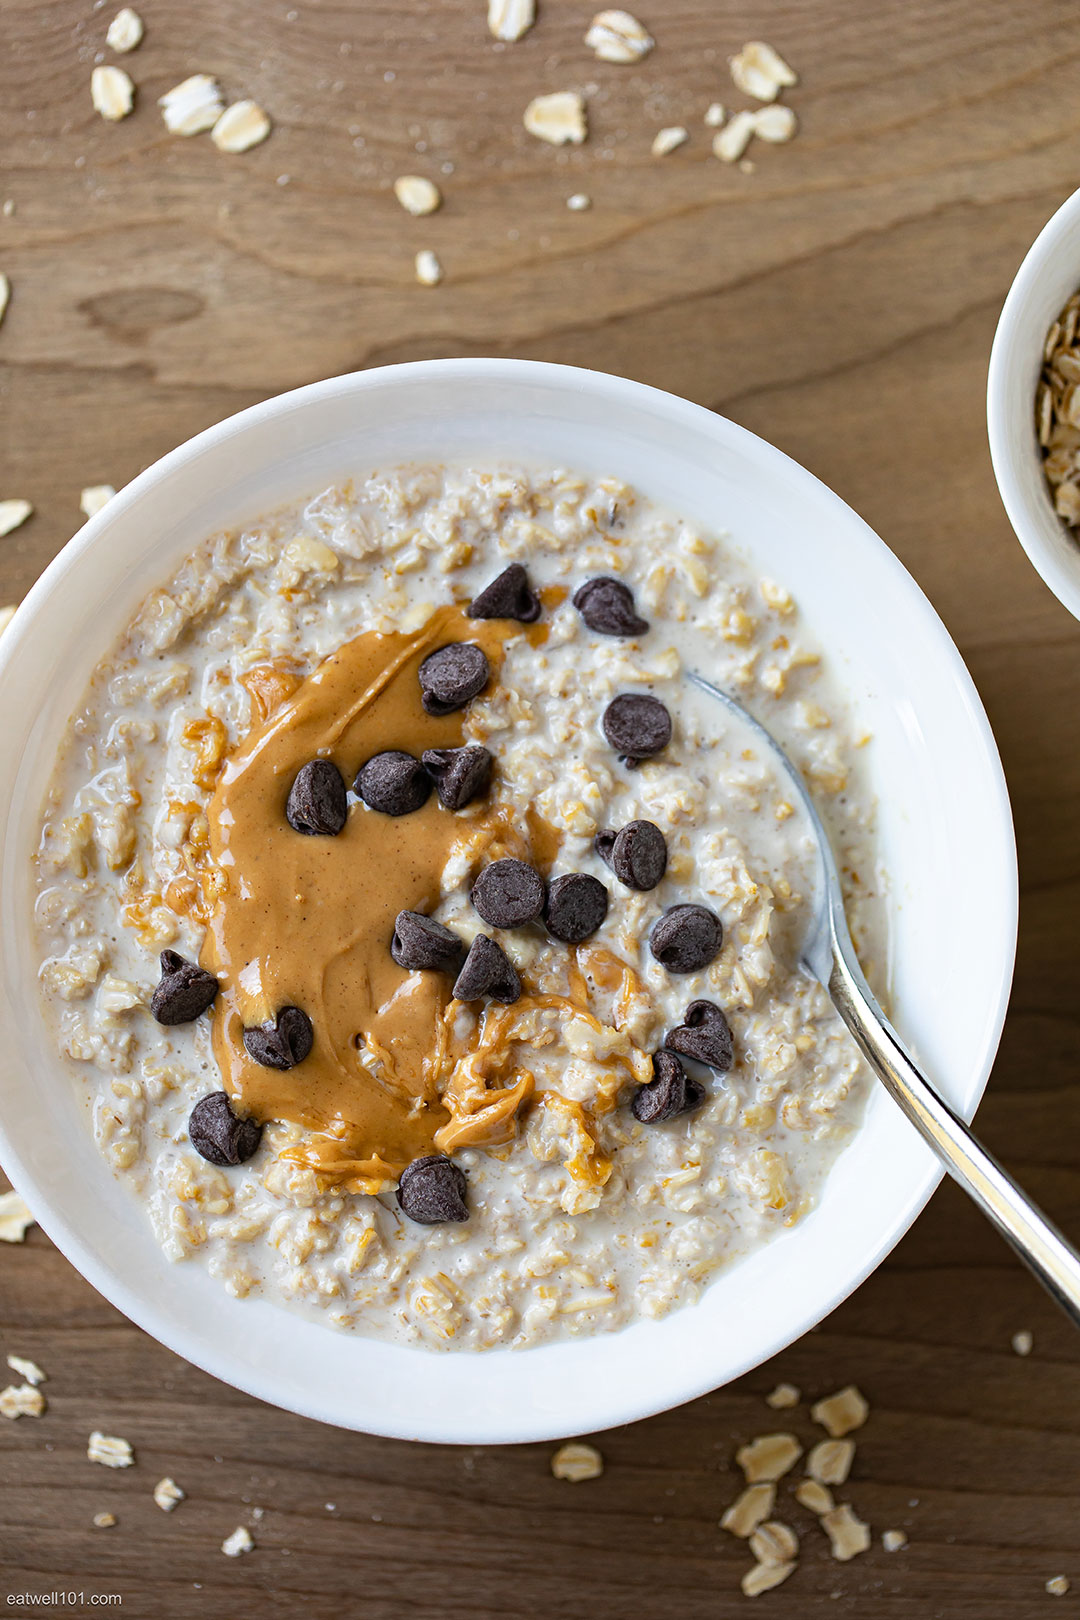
(192, 105)
(731, 142)
(715, 115)
(417, 194)
(8, 208)
(616, 36)
(768, 1457)
(94, 497)
(429, 271)
(758, 71)
(774, 1543)
(577, 1461)
(12, 515)
(830, 1461)
(104, 1521)
(815, 1497)
(749, 1509)
(239, 1542)
(26, 1369)
(9, 1231)
(510, 19)
(666, 140)
(1023, 1342)
(240, 127)
(846, 1531)
(775, 124)
(783, 1395)
(109, 1450)
(5, 294)
(112, 93)
(893, 1540)
(1058, 1585)
(840, 1413)
(15, 1216)
(558, 119)
(763, 1577)
(125, 31)
(167, 1494)
(21, 1400)
(578, 203)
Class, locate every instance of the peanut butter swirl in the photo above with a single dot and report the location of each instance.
(307, 921)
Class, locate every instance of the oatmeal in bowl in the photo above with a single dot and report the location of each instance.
(401, 953)
(425, 945)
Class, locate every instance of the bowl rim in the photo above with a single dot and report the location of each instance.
(1009, 451)
(318, 1404)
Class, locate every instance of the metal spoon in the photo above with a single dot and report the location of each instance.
(829, 955)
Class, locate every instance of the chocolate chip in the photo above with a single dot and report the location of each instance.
(420, 942)
(393, 782)
(508, 894)
(459, 774)
(452, 675)
(219, 1135)
(184, 990)
(686, 938)
(488, 971)
(607, 606)
(317, 799)
(705, 1035)
(576, 906)
(509, 596)
(636, 726)
(282, 1042)
(670, 1092)
(432, 1190)
(637, 855)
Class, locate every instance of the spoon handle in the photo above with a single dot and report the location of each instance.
(1036, 1240)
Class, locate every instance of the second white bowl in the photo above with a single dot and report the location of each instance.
(1046, 280)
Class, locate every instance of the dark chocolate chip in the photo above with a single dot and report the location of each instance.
(219, 1135)
(451, 676)
(637, 726)
(318, 802)
(607, 606)
(576, 906)
(184, 991)
(604, 843)
(686, 938)
(488, 971)
(670, 1092)
(704, 1034)
(421, 942)
(393, 782)
(637, 854)
(432, 1190)
(459, 774)
(509, 596)
(508, 893)
(282, 1042)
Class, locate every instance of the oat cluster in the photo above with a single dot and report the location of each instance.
(769, 1458)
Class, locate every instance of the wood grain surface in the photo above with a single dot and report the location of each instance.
(839, 300)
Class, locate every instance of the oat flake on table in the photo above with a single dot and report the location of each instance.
(13, 514)
(616, 36)
(125, 31)
(510, 20)
(193, 105)
(558, 118)
(112, 93)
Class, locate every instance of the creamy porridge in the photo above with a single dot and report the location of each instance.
(510, 1043)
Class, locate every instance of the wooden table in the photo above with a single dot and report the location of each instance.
(840, 300)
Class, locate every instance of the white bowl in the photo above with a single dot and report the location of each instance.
(1046, 280)
(945, 832)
